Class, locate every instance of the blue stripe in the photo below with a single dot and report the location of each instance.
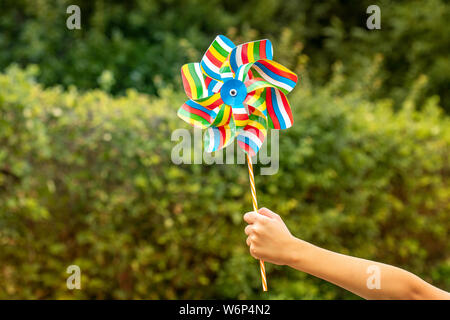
(209, 72)
(211, 86)
(269, 49)
(216, 139)
(227, 41)
(276, 108)
(195, 105)
(275, 76)
(233, 63)
(265, 112)
(250, 143)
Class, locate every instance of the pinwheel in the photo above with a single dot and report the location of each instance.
(238, 92)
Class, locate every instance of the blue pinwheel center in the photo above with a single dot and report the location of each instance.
(233, 92)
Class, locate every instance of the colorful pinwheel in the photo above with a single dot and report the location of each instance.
(238, 92)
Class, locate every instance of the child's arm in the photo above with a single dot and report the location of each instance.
(269, 239)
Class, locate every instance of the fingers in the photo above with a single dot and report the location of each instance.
(251, 217)
(248, 229)
(269, 213)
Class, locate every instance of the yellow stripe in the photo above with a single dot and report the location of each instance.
(279, 66)
(216, 54)
(250, 56)
(257, 125)
(226, 116)
(210, 100)
(190, 80)
(227, 135)
(241, 123)
(193, 122)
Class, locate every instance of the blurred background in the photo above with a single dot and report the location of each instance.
(86, 118)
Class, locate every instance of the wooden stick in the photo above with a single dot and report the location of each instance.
(255, 208)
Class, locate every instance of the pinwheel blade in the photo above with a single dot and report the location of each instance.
(240, 115)
(197, 115)
(225, 71)
(250, 52)
(210, 102)
(256, 99)
(215, 56)
(243, 73)
(224, 116)
(268, 73)
(278, 109)
(213, 85)
(194, 81)
(251, 138)
(219, 137)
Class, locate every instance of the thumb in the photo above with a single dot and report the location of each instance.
(268, 213)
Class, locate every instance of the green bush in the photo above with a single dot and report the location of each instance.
(86, 179)
(141, 44)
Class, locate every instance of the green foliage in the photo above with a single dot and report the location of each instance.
(141, 44)
(87, 179)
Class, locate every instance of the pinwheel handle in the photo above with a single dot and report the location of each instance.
(255, 208)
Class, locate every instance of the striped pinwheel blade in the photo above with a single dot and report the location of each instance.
(224, 116)
(251, 138)
(210, 102)
(216, 55)
(278, 109)
(244, 73)
(212, 85)
(268, 73)
(256, 99)
(225, 71)
(240, 115)
(250, 52)
(194, 81)
(197, 115)
(219, 137)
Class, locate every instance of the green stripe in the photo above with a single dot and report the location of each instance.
(270, 123)
(258, 102)
(187, 114)
(220, 50)
(256, 54)
(220, 115)
(256, 74)
(198, 83)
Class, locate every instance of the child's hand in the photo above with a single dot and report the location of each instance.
(268, 237)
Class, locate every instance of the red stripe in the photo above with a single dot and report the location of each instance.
(222, 136)
(262, 50)
(197, 112)
(287, 107)
(244, 53)
(257, 132)
(213, 105)
(246, 147)
(279, 72)
(242, 116)
(207, 81)
(213, 59)
(270, 110)
(186, 86)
